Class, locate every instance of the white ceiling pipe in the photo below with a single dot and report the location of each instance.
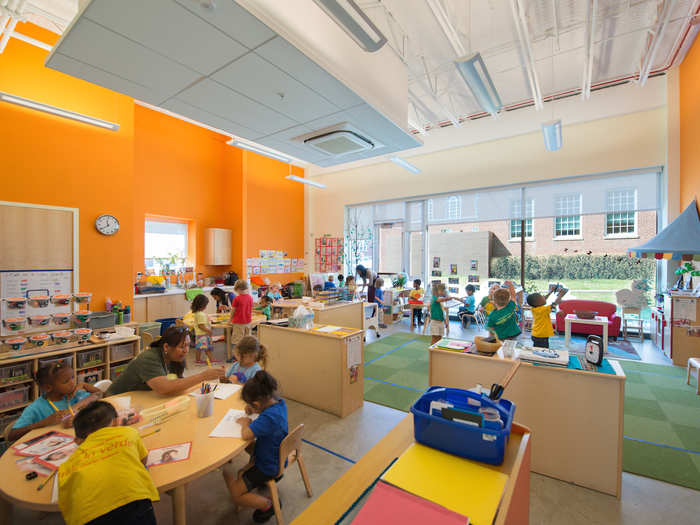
(447, 28)
(526, 45)
(30, 40)
(591, 8)
(659, 30)
(7, 34)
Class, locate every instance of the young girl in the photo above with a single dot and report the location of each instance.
(241, 311)
(202, 329)
(251, 355)
(223, 299)
(350, 287)
(274, 292)
(61, 397)
(437, 314)
(269, 429)
(265, 306)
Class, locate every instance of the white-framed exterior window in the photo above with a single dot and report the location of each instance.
(567, 222)
(621, 217)
(430, 209)
(454, 207)
(514, 230)
(164, 241)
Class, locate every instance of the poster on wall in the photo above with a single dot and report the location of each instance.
(474, 265)
(328, 254)
(436, 262)
(453, 289)
(453, 280)
(473, 279)
(436, 273)
(453, 269)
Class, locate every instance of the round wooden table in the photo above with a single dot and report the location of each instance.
(206, 454)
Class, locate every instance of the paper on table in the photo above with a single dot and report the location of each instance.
(229, 426)
(223, 390)
(54, 490)
(328, 329)
(354, 349)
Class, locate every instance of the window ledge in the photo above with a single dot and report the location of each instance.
(614, 236)
(568, 238)
(517, 239)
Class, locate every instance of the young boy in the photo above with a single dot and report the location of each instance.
(241, 312)
(105, 480)
(341, 280)
(265, 306)
(466, 312)
(437, 314)
(541, 323)
(379, 299)
(415, 296)
(503, 321)
(329, 284)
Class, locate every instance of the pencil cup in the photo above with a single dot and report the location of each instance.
(205, 404)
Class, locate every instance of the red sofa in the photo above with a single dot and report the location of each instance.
(604, 309)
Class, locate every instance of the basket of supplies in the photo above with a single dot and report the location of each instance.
(463, 423)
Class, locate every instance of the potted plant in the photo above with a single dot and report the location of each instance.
(681, 283)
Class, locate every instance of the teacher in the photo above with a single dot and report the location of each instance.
(160, 368)
(368, 279)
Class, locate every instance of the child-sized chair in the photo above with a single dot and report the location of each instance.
(290, 451)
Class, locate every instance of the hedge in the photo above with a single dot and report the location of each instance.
(555, 267)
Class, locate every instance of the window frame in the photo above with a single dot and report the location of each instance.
(182, 222)
(579, 216)
(515, 209)
(635, 219)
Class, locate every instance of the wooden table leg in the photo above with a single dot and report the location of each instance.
(179, 497)
(227, 336)
(605, 338)
(5, 512)
(567, 332)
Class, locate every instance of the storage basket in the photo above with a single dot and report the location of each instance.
(123, 351)
(166, 323)
(91, 358)
(101, 320)
(116, 370)
(486, 444)
(13, 397)
(16, 372)
(65, 361)
(151, 328)
(92, 375)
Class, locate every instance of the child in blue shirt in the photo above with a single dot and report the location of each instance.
(250, 354)
(269, 429)
(274, 292)
(61, 397)
(329, 284)
(466, 312)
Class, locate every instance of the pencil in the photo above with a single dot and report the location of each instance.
(208, 362)
(43, 483)
(150, 433)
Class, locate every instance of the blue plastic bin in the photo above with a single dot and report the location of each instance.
(484, 444)
(165, 323)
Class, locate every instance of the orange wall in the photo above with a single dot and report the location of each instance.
(59, 162)
(690, 125)
(154, 165)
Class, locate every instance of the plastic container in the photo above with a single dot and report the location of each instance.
(16, 302)
(165, 323)
(40, 339)
(91, 358)
(123, 351)
(16, 372)
(101, 320)
(15, 324)
(92, 375)
(16, 343)
(83, 334)
(151, 328)
(61, 319)
(65, 361)
(116, 370)
(39, 301)
(61, 299)
(81, 317)
(14, 396)
(61, 337)
(486, 444)
(82, 297)
(39, 320)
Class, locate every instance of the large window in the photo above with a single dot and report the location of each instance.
(165, 245)
(567, 222)
(514, 231)
(621, 217)
(454, 207)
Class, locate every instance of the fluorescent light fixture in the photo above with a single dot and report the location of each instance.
(474, 73)
(305, 181)
(355, 23)
(259, 151)
(552, 135)
(405, 165)
(39, 106)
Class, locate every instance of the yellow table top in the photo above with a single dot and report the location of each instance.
(206, 453)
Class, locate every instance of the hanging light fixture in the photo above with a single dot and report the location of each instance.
(477, 78)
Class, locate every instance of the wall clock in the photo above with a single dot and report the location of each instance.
(107, 224)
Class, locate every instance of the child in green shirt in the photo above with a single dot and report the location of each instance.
(503, 321)
(437, 314)
(266, 306)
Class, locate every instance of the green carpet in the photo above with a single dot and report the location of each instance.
(662, 413)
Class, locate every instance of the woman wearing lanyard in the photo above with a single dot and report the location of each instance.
(368, 279)
(161, 367)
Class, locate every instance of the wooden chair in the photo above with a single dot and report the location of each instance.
(146, 340)
(694, 364)
(290, 451)
(635, 322)
(6, 432)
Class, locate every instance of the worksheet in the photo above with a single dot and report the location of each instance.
(229, 426)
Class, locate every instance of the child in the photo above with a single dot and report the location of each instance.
(269, 429)
(202, 329)
(265, 306)
(250, 353)
(503, 321)
(437, 314)
(350, 288)
(59, 392)
(415, 296)
(541, 322)
(379, 299)
(329, 284)
(241, 311)
(109, 462)
(223, 299)
(274, 292)
(487, 305)
(341, 281)
(317, 290)
(466, 312)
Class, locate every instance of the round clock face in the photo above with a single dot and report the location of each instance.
(107, 224)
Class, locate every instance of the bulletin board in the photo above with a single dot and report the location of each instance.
(329, 254)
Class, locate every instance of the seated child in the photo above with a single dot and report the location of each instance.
(105, 480)
(317, 289)
(350, 288)
(503, 321)
(250, 353)
(265, 306)
(541, 322)
(61, 397)
(466, 312)
(329, 284)
(341, 280)
(275, 292)
(269, 429)
(415, 296)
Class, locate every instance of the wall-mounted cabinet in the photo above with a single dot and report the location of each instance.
(218, 247)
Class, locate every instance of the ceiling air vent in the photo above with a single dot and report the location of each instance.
(338, 140)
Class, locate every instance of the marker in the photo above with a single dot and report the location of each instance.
(208, 361)
(151, 433)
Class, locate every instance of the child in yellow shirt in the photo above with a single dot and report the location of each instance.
(202, 329)
(415, 296)
(541, 322)
(105, 480)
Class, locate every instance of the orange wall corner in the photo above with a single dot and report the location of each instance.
(690, 125)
